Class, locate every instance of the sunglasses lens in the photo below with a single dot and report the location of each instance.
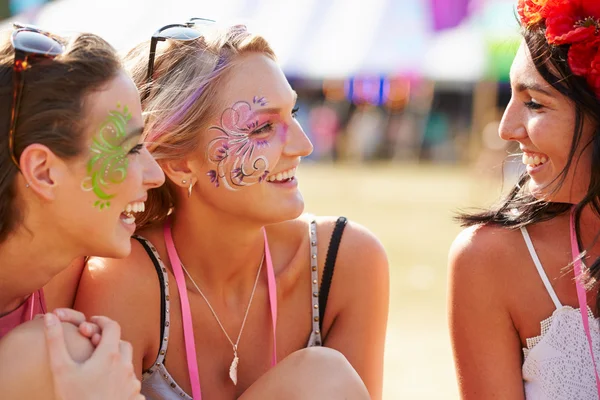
(180, 33)
(35, 42)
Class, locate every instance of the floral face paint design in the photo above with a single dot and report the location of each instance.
(108, 162)
(242, 132)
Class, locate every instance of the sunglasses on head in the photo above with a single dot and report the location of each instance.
(31, 44)
(183, 32)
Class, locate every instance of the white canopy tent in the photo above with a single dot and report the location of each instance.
(312, 38)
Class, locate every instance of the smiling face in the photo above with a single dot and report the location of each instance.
(250, 149)
(112, 175)
(542, 121)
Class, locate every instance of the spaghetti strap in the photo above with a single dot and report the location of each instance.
(540, 269)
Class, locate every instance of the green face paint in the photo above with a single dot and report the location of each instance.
(108, 162)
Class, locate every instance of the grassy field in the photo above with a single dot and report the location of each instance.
(410, 209)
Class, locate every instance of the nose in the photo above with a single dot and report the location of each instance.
(297, 144)
(153, 176)
(512, 126)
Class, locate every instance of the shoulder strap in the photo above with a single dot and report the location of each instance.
(332, 252)
(581, 292)
(161, 271)
(540, 269)
(315, 336)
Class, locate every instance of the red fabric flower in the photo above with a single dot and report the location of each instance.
(530, 11)
(593, 77)
(581, 55)
(571, 21)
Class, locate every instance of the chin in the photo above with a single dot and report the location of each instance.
(120, 249)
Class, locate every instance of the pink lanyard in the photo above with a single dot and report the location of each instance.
(188, 330)
(581, 294)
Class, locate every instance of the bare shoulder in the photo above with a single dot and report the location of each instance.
(118, 274)
(482, 254)
(24, 350)
(360, 253)
(126, 290)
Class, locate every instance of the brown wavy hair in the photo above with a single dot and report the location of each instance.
(52, 109)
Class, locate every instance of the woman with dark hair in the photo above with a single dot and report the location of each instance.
(523, 275)
(73, 173)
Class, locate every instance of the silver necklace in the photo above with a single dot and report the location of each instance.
(236, 359)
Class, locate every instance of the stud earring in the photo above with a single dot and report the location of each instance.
(183, 181)
(27, 185)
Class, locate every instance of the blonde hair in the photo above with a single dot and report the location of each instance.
(183, 96)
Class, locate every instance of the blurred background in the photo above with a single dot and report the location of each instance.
(402, 101)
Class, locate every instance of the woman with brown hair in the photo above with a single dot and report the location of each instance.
(72, 173)
(523, 276)
(227, 283)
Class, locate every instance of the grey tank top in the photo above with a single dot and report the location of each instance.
(157, 382)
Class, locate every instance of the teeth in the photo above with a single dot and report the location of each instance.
(281, 176)
(533, 160)
(135, 207)
(130, 219)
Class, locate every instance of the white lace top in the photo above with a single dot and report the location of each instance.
(557, 363)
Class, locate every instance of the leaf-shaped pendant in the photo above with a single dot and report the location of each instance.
(233, 369)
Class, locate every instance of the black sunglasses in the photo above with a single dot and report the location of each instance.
(30, 44)
(184, 32)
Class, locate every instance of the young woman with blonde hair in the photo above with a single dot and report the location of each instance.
(227, 283)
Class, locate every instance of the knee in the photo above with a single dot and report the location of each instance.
(329, 366)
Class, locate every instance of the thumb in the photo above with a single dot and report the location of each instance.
(55, 341)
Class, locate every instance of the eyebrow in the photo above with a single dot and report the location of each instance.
(522, 86)
(135, 132)
(275, 110)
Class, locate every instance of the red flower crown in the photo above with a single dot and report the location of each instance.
(570, 22)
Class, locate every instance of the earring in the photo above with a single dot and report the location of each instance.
(27, 185)
(190, 188)
(183, 181)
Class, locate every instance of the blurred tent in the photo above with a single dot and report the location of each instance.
(320, 39)
(480, 48)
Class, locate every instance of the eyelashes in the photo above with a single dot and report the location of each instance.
(532, 105)
(268, 127)
(136, 149)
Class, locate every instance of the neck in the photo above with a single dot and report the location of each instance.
(220, 251)
(30, 262)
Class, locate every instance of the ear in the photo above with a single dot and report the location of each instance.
(41, 169)
(181, 172)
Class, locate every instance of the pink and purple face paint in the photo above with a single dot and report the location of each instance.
(238, 151)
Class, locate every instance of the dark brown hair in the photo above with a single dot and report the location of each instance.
(52, 109)
(519, 207)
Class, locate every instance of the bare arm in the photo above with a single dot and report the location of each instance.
(357, 309)
(486, 345)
